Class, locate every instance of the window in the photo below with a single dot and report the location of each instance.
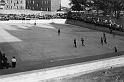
(37, 4)
(11, 7)
(47, 9)
(17, 7)
(33, 2)
(21, 7)
(7, 1)
(7, 6)
(17, 2)
(21, 2)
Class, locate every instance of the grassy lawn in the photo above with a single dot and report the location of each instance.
(40, 43)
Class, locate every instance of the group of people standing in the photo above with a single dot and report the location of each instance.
(103, 40)
(4, 64)
(75, 42)
(4, 61)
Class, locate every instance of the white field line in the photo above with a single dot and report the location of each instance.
(45, 21)
(63, 71)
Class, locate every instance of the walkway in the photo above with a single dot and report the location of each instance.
(63, 71)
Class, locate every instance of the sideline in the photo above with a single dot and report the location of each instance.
(45, 21)
(64, 71)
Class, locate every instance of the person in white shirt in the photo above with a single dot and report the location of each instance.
(13, 62)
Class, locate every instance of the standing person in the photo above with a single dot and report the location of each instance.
(101, 40)
(35, 23)
(58, 31)
(13, 62)
(1, 65)
(82, 40)
(4, 61)
(105, 41)
(75, 44)
(115, 49)
(104, 36)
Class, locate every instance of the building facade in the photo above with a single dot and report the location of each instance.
(39, 5)
(15, 4)
(2, 4)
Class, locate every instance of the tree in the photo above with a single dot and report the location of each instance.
(116, 6)
(113, 7)
(77, 5)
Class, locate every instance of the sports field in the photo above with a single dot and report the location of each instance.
(34, 45)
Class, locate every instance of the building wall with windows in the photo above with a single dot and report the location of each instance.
(15, 4)
(40, 5)
(2, 4)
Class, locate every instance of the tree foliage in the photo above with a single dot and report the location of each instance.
(77, 4)
(108, 6)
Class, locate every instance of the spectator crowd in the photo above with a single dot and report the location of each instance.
(31, 16)
(100, 20)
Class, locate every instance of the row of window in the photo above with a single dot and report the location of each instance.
(16, 2)
(42, 9)
(14, 7)
(37, 4)
(42, 2)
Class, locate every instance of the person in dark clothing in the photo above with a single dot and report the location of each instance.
(82, 40)
(115, 49)
(58, 31)
(75, 44)
(1, 65)
(101, 40)
(104, 36)
(105, 41)
(4, 58)
(35, 23)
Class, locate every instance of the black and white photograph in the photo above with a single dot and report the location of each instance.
(61, 40)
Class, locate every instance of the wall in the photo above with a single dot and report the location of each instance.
(55, 5)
